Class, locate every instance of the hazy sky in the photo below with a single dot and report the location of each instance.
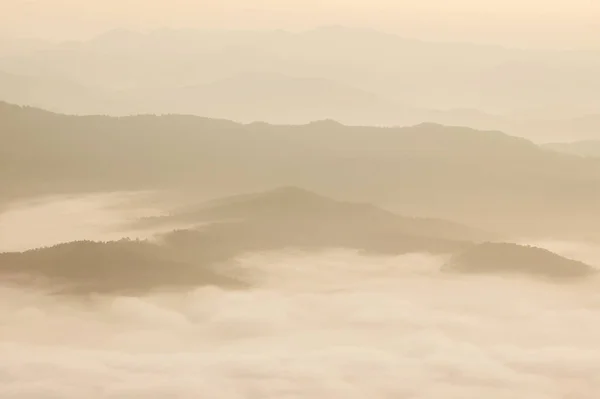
(548, 23)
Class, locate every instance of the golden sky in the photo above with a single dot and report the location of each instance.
(560, 23)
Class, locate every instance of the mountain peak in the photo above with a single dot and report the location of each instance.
(281, 197)
(326, 123)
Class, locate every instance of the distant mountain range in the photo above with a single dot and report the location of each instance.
(279, 99)
(355, 76)
(271, 97)
(485, 179)
(56, 94)
(425, 74)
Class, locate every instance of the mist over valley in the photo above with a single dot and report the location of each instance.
(237, 211)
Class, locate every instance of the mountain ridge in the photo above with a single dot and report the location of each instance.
(431, 170)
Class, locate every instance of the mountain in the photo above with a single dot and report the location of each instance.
(485, 179)
(293, 207)
(278, 219)
(281, 99)
(273, 97)
(121, 266)
(590, 148)
(59, 95)
(544, 126)
(422, 75)
(550, 128)
(505, 258)
(355, 76)
(292, 218)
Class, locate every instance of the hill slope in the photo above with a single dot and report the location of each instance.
(275, 220)
(121, 266)
(293, 206)
(483, 178)
(503, 258)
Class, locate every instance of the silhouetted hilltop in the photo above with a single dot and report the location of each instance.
(289, 206)
(291, 217)
(284, 218)
(277, 202)
(281, 219)
(503, 258)
(275, 97)
(481, 178)
(120, 266)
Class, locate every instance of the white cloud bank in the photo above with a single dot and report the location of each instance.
(334, 325)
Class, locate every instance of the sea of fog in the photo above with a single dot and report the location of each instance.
(334, 324)
(53, 220)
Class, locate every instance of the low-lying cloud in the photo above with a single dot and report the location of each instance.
(329, 325)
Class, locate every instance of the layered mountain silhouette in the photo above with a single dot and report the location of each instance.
(59, 95)
(485, 179)
(507, 258)
(246, 97)
(292, 213)
(279, 219)
(273, 97)
(426, 74)
(357, 76)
